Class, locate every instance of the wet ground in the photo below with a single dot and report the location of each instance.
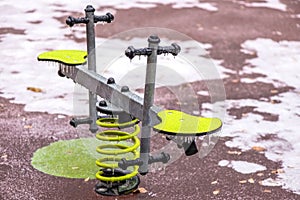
(22, 133)
(188, 178)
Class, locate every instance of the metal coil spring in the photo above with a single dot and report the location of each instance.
(113, 150)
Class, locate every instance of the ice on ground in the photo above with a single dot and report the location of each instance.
(77, 6)
(271, 182)
(20, 69)
(243, 167)
(197, 4)
(43, 32)
(203, 93)
(273, 4)
(284, 143)
(191, 64)
(279, 62)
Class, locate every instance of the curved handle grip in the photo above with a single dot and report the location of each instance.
(124, 164)
(174, 49)
(72, 20)
(108, 17)
(130, 52)
(162, 157)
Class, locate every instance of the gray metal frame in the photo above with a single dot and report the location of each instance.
(120, 97)
(90, 19)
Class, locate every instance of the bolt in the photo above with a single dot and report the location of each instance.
(125, 89)
(60, 73)
(102, 103)
(111, 81)
(166, 157)
(73, 123)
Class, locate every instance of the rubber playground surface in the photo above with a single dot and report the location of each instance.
(224, 173)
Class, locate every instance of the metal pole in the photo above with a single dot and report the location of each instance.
(90, 35)
(148, 102)
(90, 19)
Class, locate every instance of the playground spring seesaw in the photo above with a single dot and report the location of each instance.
(122, 109)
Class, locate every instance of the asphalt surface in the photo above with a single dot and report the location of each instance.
(22, 133)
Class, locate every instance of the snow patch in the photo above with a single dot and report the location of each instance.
(271, 182)
(76, 6)
(273, 4)
(279, 61)
(243, 167)
(203, 93)
(20, 69)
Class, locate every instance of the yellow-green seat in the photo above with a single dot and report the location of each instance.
(175, 122)
(67, 57)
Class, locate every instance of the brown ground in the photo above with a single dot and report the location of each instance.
(22, 133)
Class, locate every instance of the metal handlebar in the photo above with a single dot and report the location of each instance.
(71, 21)
(174, 49)
(162, 157)
(108, 17)
(131, 52)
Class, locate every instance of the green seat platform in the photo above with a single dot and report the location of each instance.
(177, 123)
(67, 57)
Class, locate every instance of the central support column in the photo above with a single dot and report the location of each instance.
(90, 19)
(148, 102)
(90, 35)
